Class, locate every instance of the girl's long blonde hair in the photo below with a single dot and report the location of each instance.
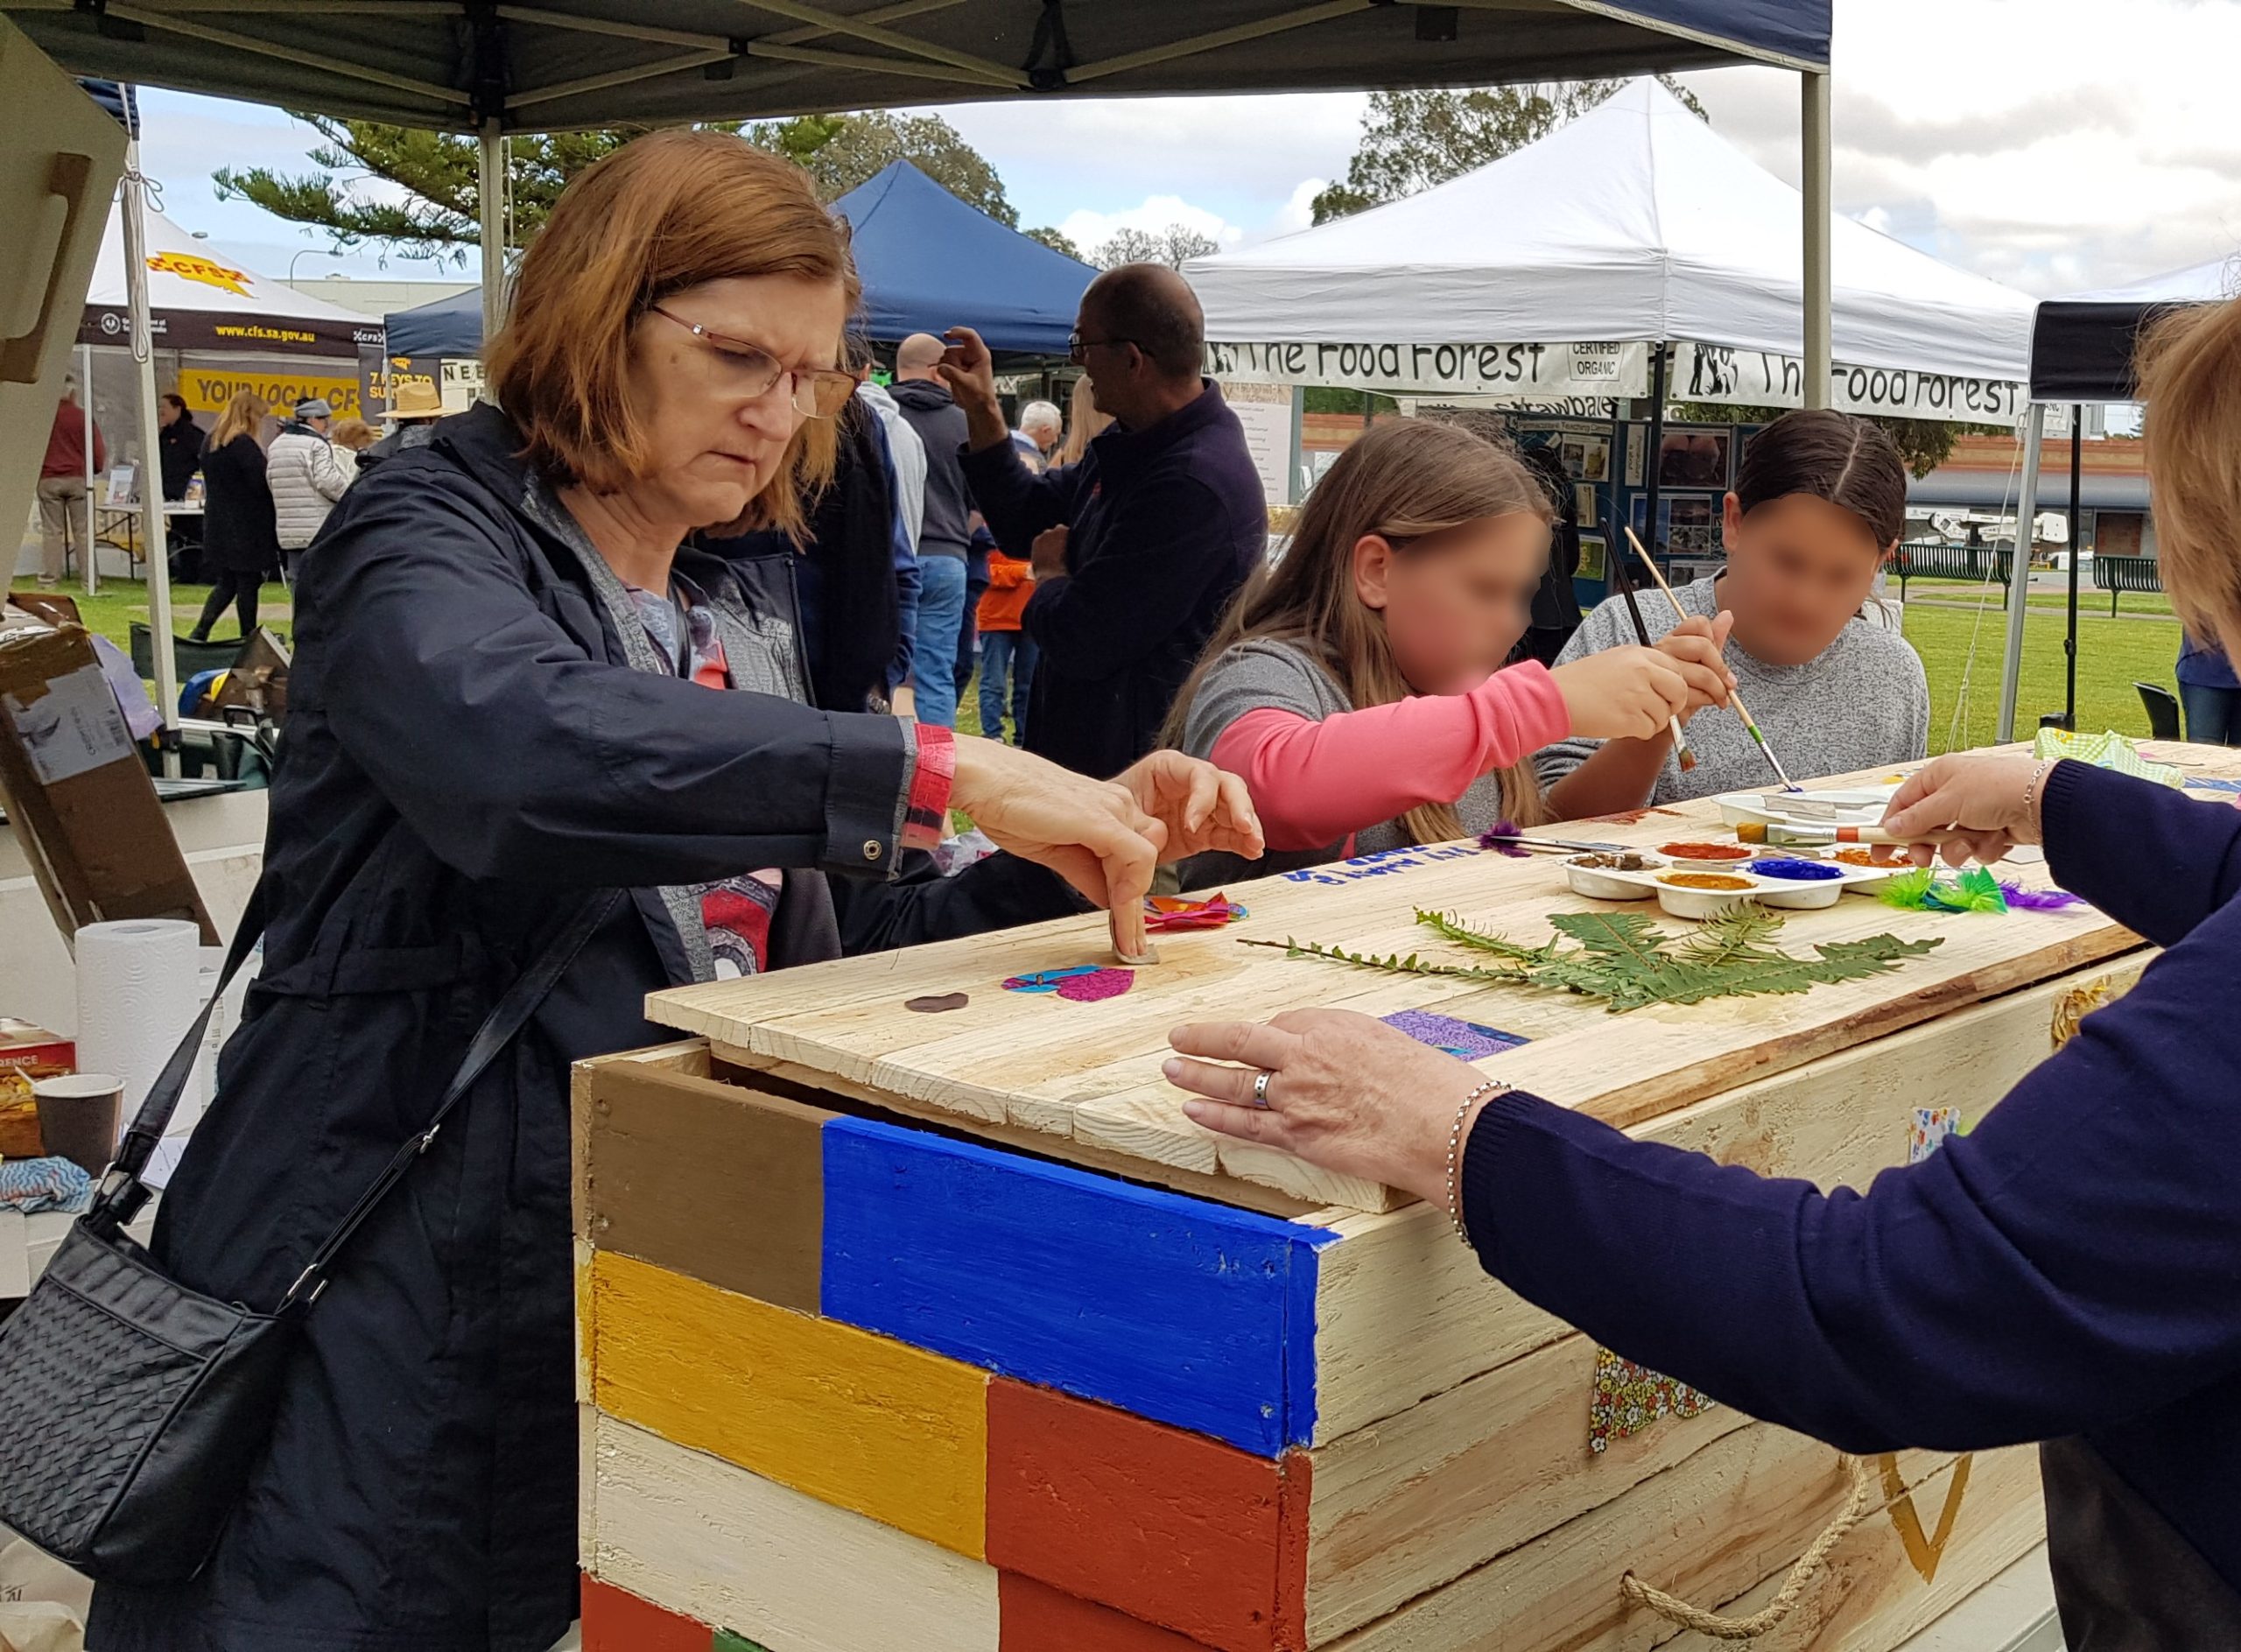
(1083, 422)
(244, 413)
(1406, 481)
(2190, 379)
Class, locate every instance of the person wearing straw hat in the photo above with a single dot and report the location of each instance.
(411, 418)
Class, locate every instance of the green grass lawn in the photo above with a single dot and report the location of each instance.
(2091, 600)
(2112, 655)
(124, 602)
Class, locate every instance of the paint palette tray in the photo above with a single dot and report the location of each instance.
(1792, 895)
(1856, 806)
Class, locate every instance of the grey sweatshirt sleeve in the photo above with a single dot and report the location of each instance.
(1257, 677)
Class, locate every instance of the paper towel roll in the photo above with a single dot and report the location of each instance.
(137, 994)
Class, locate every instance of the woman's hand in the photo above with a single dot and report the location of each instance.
(1104, 837)
(1697, 641)
(1202, 807)
(1629, 694)
(1345, 1091)
(1977, 805)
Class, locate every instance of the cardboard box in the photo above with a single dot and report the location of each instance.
(258, 681)
(78, 796)
(27, 1053)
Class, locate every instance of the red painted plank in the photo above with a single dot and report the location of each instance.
(1167, 1527)
(1037, 1618)
(615, 1621)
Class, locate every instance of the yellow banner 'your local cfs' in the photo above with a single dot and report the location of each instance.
(209, 393)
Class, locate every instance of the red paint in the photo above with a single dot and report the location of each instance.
(1037, 1618)
(1706, 851)
(1167, 1527)
(615, 1621)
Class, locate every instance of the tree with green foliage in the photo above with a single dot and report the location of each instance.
(1413, 140)
(1058, 243)
(1924, 444)
(439, 215)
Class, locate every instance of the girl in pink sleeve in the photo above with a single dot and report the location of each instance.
(1358, 684)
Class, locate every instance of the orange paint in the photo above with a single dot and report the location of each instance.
(1169, 1527)
(1037, 1618)
(1703, 881)
(615, 1621)
(1706, 851)
(1859, 857)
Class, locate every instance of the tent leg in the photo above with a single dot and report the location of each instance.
(2019, 571)
(490, 185)
(1650, 468)
(1820, 166)
(86, 399)
(149, 477)
(2077, 552)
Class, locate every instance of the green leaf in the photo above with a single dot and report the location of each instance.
(1623, 959)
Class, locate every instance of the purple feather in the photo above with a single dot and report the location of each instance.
(1497, 839)
(2039, 900)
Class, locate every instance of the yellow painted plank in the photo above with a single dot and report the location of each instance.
(858, 1421)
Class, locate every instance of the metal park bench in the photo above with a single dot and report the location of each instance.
(1938, 559)
(2116, 575)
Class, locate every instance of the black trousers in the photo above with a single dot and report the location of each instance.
(241, 590)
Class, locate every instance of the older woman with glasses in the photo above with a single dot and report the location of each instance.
(525, 702)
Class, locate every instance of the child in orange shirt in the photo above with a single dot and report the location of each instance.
(1006, 651)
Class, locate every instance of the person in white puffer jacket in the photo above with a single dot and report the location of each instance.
(308, 473)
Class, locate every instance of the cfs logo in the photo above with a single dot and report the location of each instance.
(192, 267)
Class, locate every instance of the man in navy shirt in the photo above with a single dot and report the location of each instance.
(1165, 517)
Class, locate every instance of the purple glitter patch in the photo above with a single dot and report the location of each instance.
(1097, 984)
(1466, 1039)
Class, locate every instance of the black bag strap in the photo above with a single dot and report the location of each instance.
(123, 1193)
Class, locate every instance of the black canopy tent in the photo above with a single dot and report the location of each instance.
(2083, 349)
(490, 68)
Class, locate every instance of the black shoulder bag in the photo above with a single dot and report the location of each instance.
(136, 1407)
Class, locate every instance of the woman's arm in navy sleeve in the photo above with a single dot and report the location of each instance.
(2073, 1261)
(2156, 859)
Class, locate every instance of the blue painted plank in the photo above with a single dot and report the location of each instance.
(1174, 1308)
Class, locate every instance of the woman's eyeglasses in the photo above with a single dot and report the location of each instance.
(754, 372)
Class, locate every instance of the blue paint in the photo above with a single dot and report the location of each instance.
(1174, 1308)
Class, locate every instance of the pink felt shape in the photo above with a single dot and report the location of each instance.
(1097, 985)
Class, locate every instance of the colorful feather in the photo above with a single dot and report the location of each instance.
(1975, 890)
(1498, 837)
(2039, 900)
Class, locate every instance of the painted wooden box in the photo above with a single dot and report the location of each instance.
(948, 1333)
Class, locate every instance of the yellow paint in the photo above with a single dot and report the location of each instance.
(206, 390)
(1923, 1553)
(855, 1420)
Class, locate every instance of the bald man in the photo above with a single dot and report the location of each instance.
(945, 528)
(1165, 517)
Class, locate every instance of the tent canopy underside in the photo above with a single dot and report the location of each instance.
(564, 64)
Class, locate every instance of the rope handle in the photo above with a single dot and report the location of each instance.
(1676, 1610)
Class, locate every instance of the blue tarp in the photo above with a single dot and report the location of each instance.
(928, 261)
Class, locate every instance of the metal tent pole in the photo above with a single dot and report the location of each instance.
(490, 188)
(149, 474)
(1652, 465)
(2019, 572)
(2076, 552)
(86, 404)
(1819, 170)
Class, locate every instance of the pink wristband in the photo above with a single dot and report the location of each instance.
(926, 817)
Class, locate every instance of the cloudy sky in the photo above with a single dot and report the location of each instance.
(2054, 145)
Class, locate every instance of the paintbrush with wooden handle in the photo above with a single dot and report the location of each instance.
(1682, 753)
(1813, 837)
(1733, 698)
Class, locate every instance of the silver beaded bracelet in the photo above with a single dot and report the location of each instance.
(1454, 1157)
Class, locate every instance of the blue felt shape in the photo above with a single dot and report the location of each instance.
(1046, 980)
(1174, 1308)
(2206, 782)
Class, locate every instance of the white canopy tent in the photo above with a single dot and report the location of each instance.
(1635, 225)
(200, 299)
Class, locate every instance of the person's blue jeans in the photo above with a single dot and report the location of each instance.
(934, 665)
(2213, 715)
(1005, 654)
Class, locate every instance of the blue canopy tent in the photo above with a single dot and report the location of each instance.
(928, 260)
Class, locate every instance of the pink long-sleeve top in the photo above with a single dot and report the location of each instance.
(1322, 772)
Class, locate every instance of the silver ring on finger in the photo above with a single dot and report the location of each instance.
(1261, 1088)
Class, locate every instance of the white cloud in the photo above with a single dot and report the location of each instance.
(1090, 230)
(1298, 213)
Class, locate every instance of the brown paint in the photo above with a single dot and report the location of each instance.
(1036, 1618)
(936, 1004)
(715, 1180)
(1171, 1526)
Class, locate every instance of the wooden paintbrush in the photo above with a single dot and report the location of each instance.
(1681, 751)
(1815, 837)
(1733, 698)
